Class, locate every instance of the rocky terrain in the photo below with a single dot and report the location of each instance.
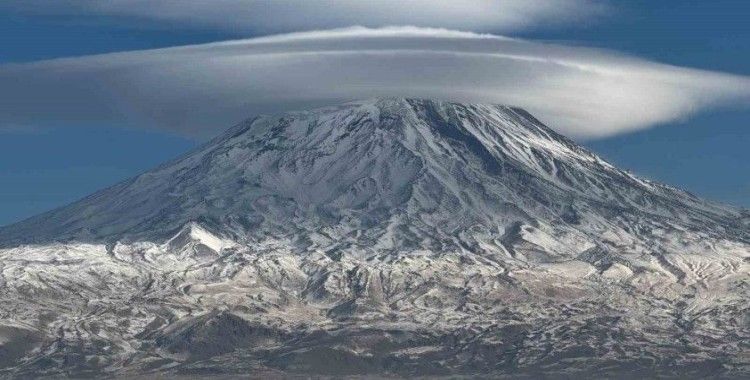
(382, 238)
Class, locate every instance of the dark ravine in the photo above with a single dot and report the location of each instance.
(387, 238)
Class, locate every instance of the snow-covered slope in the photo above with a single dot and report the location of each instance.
(399, 236)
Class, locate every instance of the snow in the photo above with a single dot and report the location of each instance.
(458, 221)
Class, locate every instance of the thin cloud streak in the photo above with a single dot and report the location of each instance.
(201, 89)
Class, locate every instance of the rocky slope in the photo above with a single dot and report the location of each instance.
(389, 237)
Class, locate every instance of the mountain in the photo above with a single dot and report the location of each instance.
(387, 237)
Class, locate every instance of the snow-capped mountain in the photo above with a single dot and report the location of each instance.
(382, 237)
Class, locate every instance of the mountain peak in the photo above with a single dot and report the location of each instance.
(390, 234)
(412, 164)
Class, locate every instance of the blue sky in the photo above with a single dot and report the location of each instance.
(55, 162)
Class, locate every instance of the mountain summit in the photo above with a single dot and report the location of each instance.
(412, 168)
(402, 236)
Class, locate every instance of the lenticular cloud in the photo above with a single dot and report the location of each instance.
(201, 89)
(266, 17)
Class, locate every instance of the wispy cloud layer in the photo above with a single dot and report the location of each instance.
(202, 89)
(293, 15)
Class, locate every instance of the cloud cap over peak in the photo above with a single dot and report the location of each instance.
(268, 16)
(201, 89)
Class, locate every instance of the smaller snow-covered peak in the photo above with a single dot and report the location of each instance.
(192, 234)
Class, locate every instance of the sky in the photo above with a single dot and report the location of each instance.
(658, 88)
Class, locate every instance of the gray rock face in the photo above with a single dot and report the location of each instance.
(389, 237)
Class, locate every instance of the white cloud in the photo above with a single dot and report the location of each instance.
(202, 89)
(292, 15)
